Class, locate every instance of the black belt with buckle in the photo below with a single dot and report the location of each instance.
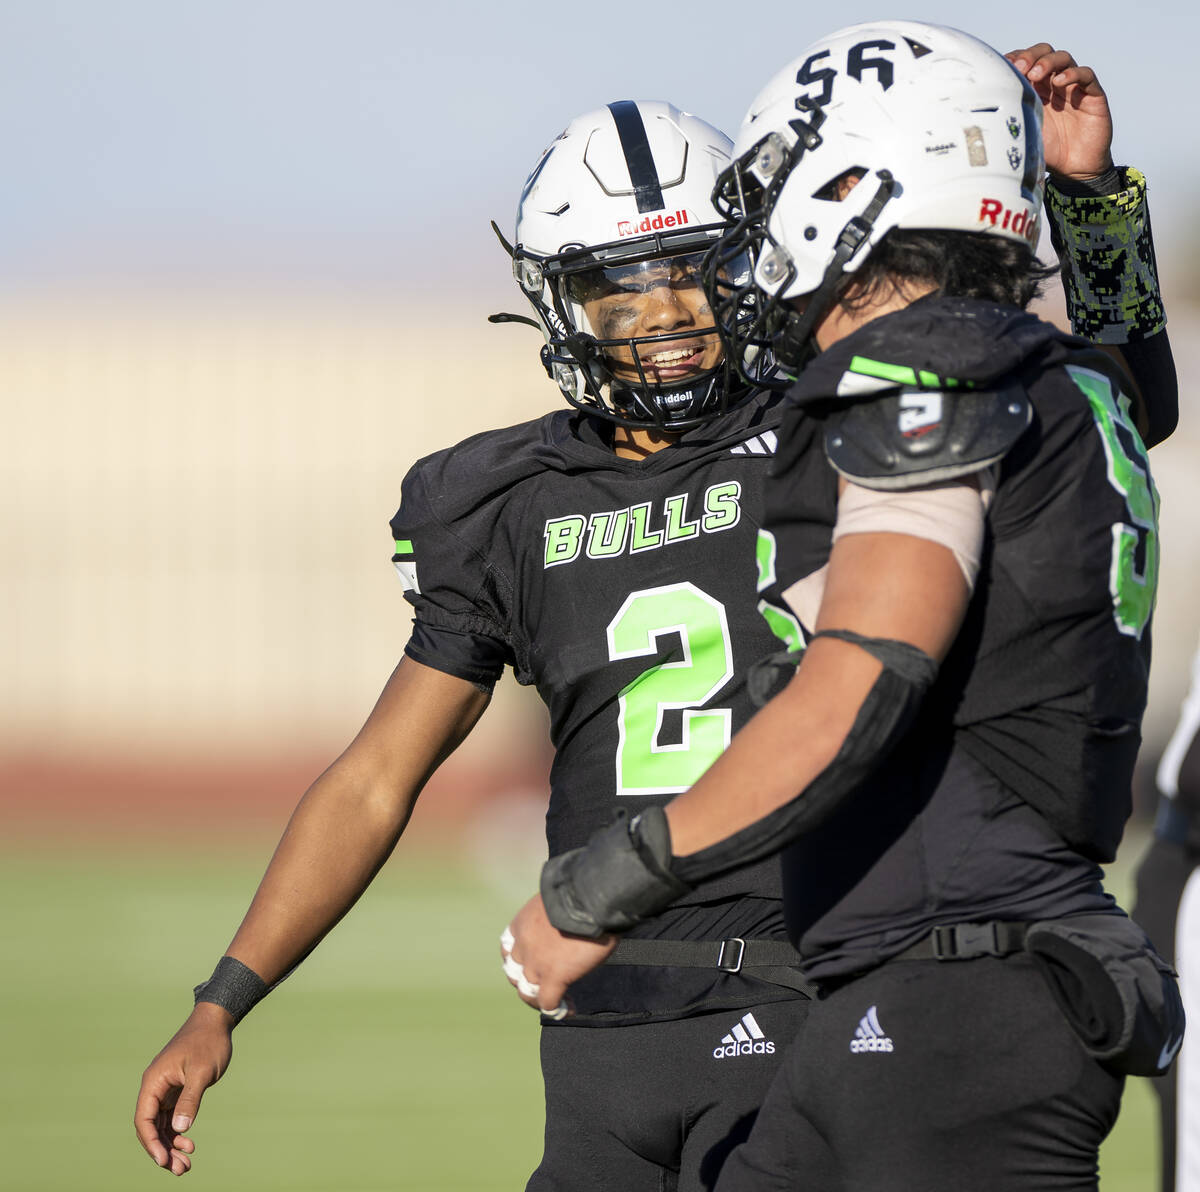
(967, 941)
(775, 961)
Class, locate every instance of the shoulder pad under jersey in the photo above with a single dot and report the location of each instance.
(911, 437)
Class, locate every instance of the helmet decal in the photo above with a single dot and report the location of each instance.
(977, 156)
(643, 174)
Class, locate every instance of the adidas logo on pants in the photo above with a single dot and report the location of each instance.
(746, 1038)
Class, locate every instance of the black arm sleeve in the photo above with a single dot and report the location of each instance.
(1151, 364)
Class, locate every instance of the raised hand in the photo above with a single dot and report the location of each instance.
(1077, 124)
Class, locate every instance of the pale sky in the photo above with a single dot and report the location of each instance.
(364, 144)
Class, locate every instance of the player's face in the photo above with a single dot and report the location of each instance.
(663, 297)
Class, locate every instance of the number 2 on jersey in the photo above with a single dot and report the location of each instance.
(646, 765)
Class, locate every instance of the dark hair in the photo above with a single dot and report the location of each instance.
(957, 264)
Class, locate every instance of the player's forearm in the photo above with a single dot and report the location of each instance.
(339, 836)
(344, 829)
(888, 587)
(780, 751)
(882, 585)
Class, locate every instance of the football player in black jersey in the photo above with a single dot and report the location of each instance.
(961, 532)
(617, 575)
(604, 552)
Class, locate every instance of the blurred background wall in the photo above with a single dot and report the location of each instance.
(201, 603)
(244, 273)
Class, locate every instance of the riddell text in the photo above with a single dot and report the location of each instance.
(627, 227)
(994, 212)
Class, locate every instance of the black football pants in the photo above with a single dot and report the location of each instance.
(657, 1107)
(928, 1076)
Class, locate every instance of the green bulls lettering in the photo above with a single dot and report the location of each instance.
(638, 528)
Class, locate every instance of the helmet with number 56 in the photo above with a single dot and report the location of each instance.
(890, 124)
(612, 227)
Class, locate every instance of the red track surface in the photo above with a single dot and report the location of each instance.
(207, 797)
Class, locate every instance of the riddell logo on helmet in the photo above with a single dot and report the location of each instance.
(1023, 223)
(627, 227)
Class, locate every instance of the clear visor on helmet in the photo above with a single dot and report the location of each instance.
(651, 318)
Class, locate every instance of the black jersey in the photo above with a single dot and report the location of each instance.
(624, 590)
(1016, 777)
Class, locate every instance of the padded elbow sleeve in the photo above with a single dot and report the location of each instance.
(882, 720)
(622, 876)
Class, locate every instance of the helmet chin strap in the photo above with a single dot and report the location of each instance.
(657, 410)
(631, 396)
(795, 344)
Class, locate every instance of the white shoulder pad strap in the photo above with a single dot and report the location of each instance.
(920, 436)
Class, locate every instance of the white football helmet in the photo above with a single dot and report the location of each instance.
(942, 132)
(614, 220)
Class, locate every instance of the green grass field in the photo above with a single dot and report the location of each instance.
(396, 1058)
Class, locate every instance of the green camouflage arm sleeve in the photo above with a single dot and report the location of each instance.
(1107, 252)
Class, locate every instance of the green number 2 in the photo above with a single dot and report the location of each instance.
(645, 765)
(1133, 590)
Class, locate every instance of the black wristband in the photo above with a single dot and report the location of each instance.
(1111, 181)
(233, 987)
(621, 877)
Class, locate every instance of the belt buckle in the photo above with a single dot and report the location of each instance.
(963, 941)
(729, 960)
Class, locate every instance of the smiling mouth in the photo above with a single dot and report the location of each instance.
(673, 362)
